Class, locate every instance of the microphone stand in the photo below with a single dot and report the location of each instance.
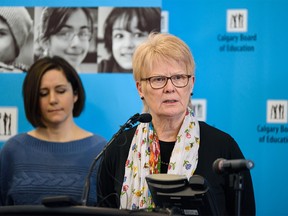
(236, 179)
(238, 184)
(86, 188)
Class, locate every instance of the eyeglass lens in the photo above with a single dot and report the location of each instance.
(179, 80)
(83, 35)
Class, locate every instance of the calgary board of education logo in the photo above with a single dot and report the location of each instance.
(8, 122)
(237, 20)
(199, 107)
(277, 111)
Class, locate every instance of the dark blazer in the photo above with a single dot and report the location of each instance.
(214, 144)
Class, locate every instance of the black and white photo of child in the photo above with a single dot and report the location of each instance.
(120, 33)
(68, 32)
(16, 39)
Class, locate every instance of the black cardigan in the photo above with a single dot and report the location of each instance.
(214, 144)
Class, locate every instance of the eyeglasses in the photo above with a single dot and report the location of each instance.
(158, 82)
(69, 35)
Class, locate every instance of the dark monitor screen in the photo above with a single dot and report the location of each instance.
(175, 192)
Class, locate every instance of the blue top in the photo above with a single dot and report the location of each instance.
(31, 169)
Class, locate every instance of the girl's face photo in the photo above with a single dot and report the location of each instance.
(7, 44)
(124, 42)
(72, 41)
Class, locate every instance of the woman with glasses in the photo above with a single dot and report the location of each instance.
(175, 142)
(65, 32)
(54, 158)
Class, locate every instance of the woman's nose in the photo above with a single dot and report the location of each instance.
(52, 98)
(169, 86)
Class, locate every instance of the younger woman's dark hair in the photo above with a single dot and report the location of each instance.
(32, 82)
(148, 21)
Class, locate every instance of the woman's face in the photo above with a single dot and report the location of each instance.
(7, 45)
(73, 48)
(124, 42)
(169, 101)
(56, 99)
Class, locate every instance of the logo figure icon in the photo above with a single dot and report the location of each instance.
(277, 111)
(199, 107)
(8, 122)
(237, 20)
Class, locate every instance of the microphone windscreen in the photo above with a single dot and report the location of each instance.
(145, 118)
(216, 165)
(231, 166)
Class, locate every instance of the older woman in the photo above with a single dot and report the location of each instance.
(174, 142)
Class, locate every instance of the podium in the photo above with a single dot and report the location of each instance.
(34, 210)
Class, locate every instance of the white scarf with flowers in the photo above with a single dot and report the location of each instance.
(144, 159)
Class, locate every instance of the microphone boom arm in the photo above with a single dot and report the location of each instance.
(145, 117)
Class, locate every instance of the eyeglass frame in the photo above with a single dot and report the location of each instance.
(167, 78)
(73, 34)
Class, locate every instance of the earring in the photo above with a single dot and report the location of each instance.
(191, 94)
(142, 98)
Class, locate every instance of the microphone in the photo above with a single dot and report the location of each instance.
(143, 118)
(231, 166)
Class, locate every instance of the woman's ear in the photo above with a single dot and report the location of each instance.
(192, 83)
(75, 96)
(139, 88)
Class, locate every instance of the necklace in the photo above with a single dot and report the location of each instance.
(164, 163)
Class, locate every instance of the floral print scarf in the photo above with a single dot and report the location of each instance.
(144, 159)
